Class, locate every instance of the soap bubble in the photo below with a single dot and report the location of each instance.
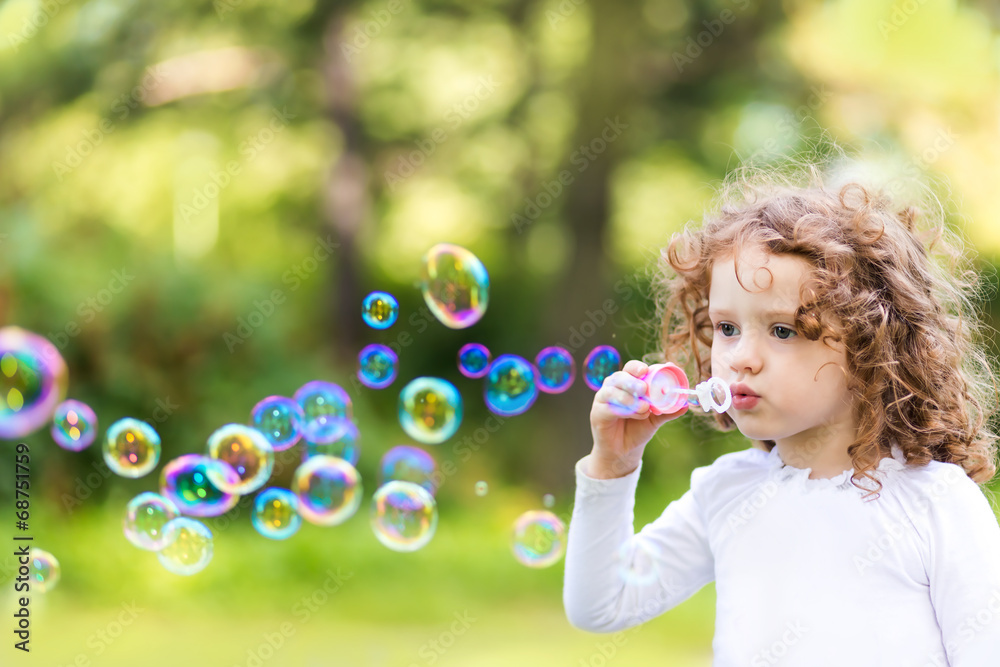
(321, 400)
(510, 385)
(404, 516)
(247, 451)
(549, 500)
(329, 490)
(455, 285)
(556, 370)
(379, 310)
(430, 410)
(131, 447)
(408, 464)
(474, 360)
(377, 366)
(602, 361)
(539, 538)
(74, 425)
(33, 380)
(200, 485)
(482, 488)
(43, 570)
(280, 419)
(336, 436)
(145, 518)
(189, 546)
(276, 513)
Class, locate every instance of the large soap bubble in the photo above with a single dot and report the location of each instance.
(33, 381)
(430, 410)
(455, 285)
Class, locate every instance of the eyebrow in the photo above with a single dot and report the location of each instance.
(769, 313)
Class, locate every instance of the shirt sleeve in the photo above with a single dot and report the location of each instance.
(964, 569)
(616, 579)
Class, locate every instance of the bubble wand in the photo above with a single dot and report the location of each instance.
(668, 390)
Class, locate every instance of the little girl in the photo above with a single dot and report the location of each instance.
(852, 531)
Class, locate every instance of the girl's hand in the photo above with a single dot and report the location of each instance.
(621, 423)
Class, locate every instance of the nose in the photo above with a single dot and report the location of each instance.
(744, 356)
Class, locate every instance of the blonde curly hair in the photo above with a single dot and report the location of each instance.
(895, 277)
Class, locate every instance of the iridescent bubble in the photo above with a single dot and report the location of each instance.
(602, 361)
(74, 425)
(43, 570)
(33, 380)
(548, 500)
(379, 310)
(408, 464)
(510, 385)
(321, 400)
(336, 436)
(404, 515)
(280, 419)
(455, 285)
(131, 447)
(430, 410)
(145, 518)
(377, 366)
(329, 490)
(276, 513)
(556, 370)
(247, 451)
(189, 546)
(539, 538)
(200, 485)
(482, 488)
(474, 360)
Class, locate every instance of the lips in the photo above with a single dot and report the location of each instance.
(740, 389)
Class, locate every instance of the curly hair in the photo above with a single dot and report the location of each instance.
(900, 286)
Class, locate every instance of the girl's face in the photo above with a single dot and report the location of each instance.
(801, 384)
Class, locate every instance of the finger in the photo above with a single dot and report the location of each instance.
(635, 368)
(626, 382)
(621, 403)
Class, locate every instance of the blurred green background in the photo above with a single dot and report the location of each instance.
(171, 172)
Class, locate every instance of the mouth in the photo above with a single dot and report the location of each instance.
(742, 390)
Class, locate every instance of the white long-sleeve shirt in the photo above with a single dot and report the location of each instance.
(807, 572)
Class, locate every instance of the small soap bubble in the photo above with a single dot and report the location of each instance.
(321, 400)
(539, 538)
(189, 546)
(280, 419)
(404, 516)
(199, 485)
(328, 489)
(74, 425)
(336, 436)
(510, 385)
(247, 451)
(602, 361)
(474, 360)
(408, 464)
(43, 570)
(549, 500)
(482, 488)
(378, 366)
(430, 410)
(145, 518)
(33, 381)
(455, 285)
(556, 370)
(379, 310)
(131, 447)
(276, 513)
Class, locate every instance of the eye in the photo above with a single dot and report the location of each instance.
(724, 328)
(783, 333)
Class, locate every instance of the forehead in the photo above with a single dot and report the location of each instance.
(758, 278)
